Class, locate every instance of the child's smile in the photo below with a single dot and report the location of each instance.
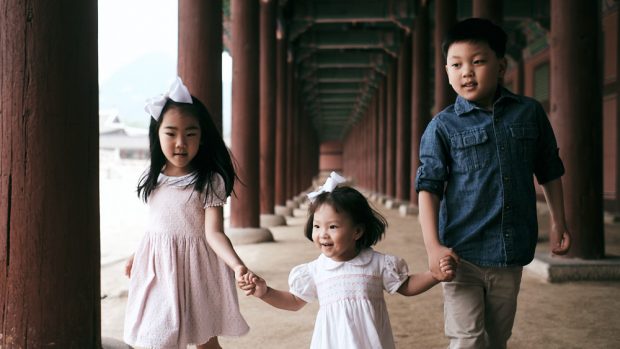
(334, 234)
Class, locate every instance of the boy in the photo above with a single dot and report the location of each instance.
(476, 193)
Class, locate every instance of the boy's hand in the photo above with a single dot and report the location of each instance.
(434, 258)
(563, 241)
(447, 266)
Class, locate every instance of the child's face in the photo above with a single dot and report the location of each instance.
(334, 233)
(474, 71)
(179, 136)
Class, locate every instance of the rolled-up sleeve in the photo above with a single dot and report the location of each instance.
(433, 169)
(547, 164)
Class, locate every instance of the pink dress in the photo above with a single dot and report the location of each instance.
(180, 291)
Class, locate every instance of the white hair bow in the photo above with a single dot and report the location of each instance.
(177, 92)
(330, 184)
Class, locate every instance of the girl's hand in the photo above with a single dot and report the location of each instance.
(434, 262)
(447, 266)
(128, 266)
(261, 286)
(243, 277)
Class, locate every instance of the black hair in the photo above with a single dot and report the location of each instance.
(213, 156)
(351, 202)
(476, 30)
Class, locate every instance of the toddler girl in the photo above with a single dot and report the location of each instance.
(181, 288)
(349, 277)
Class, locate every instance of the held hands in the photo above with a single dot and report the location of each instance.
(252, 284)
(244, 279)
(442, 262)
(447, 266)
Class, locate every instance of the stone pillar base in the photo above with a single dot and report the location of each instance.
(283, 211)
(300, 212)
(243, 236)
(380, 199)
(292, 204)
(558, 269)
(271, 220)
(406, 209)
(392, 203)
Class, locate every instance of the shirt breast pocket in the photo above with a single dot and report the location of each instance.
(470, 150)
(524, 137)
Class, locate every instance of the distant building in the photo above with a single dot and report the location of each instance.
(122, 141)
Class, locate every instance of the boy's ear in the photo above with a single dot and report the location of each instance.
(503, 64)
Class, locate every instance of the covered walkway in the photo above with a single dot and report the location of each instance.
(355, 85)
(572, 315)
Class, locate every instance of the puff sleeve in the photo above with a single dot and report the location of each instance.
(301, 284)
(217, 195)
(395, 273)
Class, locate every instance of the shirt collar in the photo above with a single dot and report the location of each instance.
(464, 106)
(361, 259)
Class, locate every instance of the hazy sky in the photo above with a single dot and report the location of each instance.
(132, 30)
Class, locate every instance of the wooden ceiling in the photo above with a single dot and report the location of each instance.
(342, 50)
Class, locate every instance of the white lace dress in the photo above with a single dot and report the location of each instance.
(352, 313)
(180, 291)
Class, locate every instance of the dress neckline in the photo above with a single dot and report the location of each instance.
(361, 259)
(179, 181)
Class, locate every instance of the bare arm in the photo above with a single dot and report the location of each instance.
(422, 282)
(554, 195)
(418, 283)
(219, 242)
(279, 299)
(429, 216)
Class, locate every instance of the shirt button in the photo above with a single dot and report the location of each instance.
(501, 147)
(507, 207)
(506, 178)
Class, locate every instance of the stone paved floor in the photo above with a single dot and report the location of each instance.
(568, 315)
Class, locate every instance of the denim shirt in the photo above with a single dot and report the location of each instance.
(481, 165)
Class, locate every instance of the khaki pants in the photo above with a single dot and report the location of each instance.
(480, 306)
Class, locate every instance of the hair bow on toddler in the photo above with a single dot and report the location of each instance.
(177, 92)
(330, 184)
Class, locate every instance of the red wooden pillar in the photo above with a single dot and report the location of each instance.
(244, 213)
(381, 138)
(49, 175)
(403, 121)
(615, 205)
(576, 115)
(420, 109)
(296, 145)
(267, 104)
(290, 126)
(200, 52)
(281, 117)
(331, 156)
(390, 128)
(374, 166)
(489, 9)
(445, 18)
